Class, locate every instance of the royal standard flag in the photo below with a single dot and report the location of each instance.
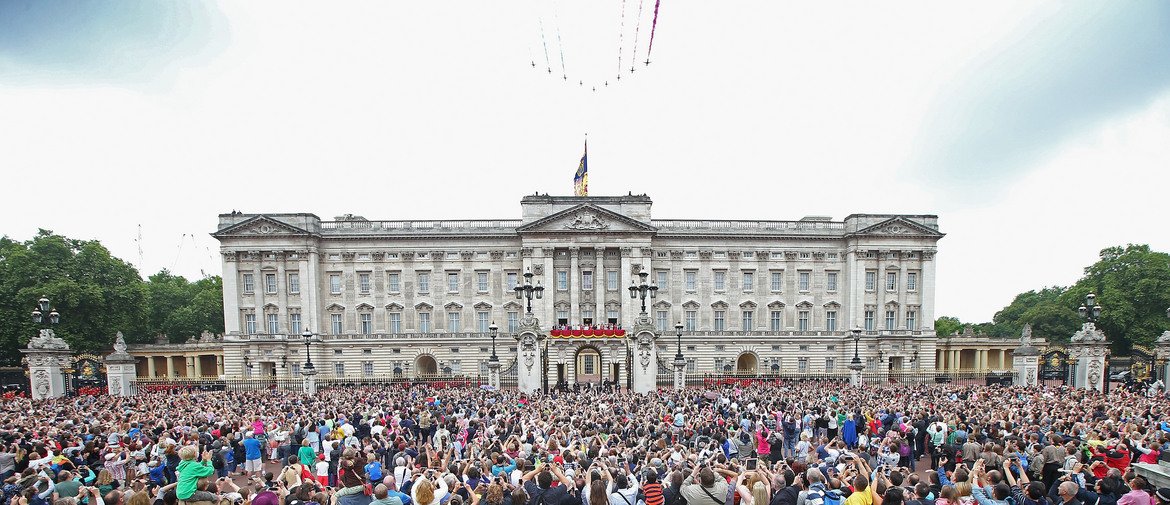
(581, 178)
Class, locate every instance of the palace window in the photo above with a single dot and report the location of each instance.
(294, 283)
(250, 324)
(803, 281)
(802, 320)
(273, 324)
(719, 314)
(870, 280)
(511, 280)
(270, 283)
(587, 280)
(777, 281)
(720, 280)
(748, 281)
(452, 282)
(481, 321)
(335, 284)
(424, 322)
(747, 320)
(777, 320)
(611, 280)
(335, 324)
(911, 320)
(367, 323)
(891, 281)
(364, 283)
(662, 319)
(395, 322)
(891, 319)
(690, 279)
(453, 320)
(339, 369)
(513, 321)
(830, 320)
(691, 320)
(562, 280)
(830, 281)
(661, 275)
(294, 323)
(911, 281)
(394, 282)
(869, 315)
(424, 282)
(368, 368)
(248, 283)
(481, 282)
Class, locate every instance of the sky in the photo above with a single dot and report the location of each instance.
(1038, 132)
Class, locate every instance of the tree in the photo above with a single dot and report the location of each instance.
(180, 309)
(1047, 310)
(1132, 285)
(96, 294)
(947, 326)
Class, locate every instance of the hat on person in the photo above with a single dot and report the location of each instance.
(266, 498)
(321, 456)
(110, 456)
(1163, 494)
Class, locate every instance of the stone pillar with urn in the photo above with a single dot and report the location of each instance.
(1090, 349)
(643, 341)
(1026, 360)
(121, 370)
(530, 365)
(47, 356)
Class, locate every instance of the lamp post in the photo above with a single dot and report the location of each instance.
(1091, 312)
(45, 316)
(680, 362)
(309, 374)
(855, 366)
(527, 290)
(494, 360)
(642, 288)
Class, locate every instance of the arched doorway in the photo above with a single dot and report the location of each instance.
(588, 366)
(747, 364)
(426, 365)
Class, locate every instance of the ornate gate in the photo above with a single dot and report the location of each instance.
(88, 376)
(1054, 365)
(1141, 366)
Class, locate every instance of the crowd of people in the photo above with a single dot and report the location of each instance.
(791, 443)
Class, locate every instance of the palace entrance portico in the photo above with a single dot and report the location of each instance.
(587, 360)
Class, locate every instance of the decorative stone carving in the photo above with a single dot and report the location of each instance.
(378, 255)
(115, 386)
(645, 351)
(818, 255)
(647, 252)
(466, 255)
(927, 255)
(676, 255)
(1094, 371)
(1164, 337)
(1088, 333)
(1026, 336)
(586, 220)
(895, 229)
(407, 255)
(119, 343)
(48, 340)
(528, 350)
(626, 251)
(348, 255)
(40, 383)
(496, 255)
(706, 254)
(538, 269)
(229, 256)
(635, 268)
(790, 255)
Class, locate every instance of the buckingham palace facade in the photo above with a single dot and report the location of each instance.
(417, 297)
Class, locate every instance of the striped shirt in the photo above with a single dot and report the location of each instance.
(653, 494)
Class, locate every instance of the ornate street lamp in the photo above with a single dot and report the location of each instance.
(308, 339)
(493, 331)
(1091, 311)
(641, 289)
(41, 310)
(527, 290)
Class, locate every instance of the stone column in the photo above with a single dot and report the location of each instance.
(151, 371)
(1162, 353)
(529, 368)
(494, 373)
(47, 355)
(309, 376)
(219, 364)
(198, 366)
(170, 368)
(855, 372)
(1089, 347)
(120, 370)
(189, 369)
(1026, 360)
(643, 340)
(680, 373)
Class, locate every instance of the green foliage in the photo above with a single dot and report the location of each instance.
(97, 296)
(947, 325)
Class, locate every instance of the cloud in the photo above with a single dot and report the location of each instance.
(134, 43)
(1064, 70)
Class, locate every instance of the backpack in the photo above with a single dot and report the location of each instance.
(832, 497)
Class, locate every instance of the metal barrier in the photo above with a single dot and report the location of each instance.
(181, 384)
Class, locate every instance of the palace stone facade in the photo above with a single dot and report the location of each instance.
(416, 297)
